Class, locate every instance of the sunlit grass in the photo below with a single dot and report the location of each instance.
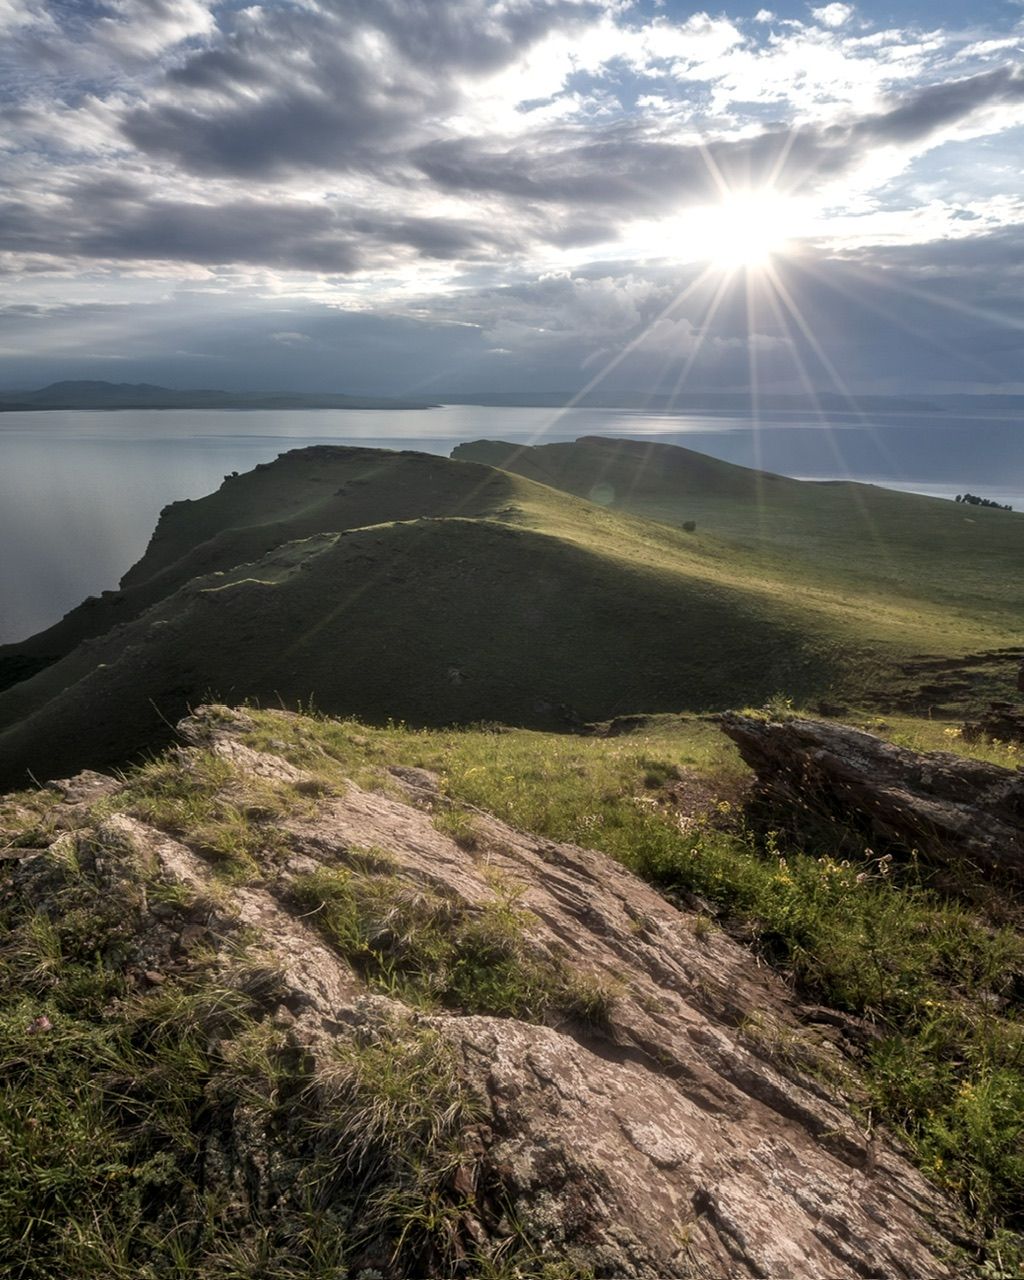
(125, 1077)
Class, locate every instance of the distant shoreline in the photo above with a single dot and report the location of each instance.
(108, 397)
(394, 406)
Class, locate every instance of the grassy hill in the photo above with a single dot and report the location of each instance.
(406, 586)
(155, 1040)
(849, 544)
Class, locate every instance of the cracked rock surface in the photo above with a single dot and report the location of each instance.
(662, 1142)
(948, 807)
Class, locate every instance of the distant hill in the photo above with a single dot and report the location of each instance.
(439, 591)
(868, 548)
(144, 395)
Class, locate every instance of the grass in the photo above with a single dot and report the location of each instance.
(99, 1086)
(934, 735)
(203, 795)
(431, 952)
(393, 585)
(106, 1104)
(860, 541)
(119, 1103)
(392, 1120)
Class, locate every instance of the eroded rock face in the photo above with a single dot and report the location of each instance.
(662, 1141)
(1003, 721)
(946, 807)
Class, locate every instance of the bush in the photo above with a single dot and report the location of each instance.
(973, 500)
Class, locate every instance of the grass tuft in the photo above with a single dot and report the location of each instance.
(432, 952)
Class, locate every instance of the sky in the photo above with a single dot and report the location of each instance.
(418, 196)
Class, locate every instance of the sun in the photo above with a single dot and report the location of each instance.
(742, 231)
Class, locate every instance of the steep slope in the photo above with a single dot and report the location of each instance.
(848, 538)
(304, 492)
(338, 1041)
(431, 621)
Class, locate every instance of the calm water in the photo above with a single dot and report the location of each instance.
(81, 491)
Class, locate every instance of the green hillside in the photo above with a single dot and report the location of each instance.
(854, 542)
(304, 492)
(406, 586)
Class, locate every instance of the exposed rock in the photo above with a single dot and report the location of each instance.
(659, 1142)
(626, 724)
(85, 787)
(421, 784)
(1003, 722)
(943, 805)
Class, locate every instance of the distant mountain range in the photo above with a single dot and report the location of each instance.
(144, 395)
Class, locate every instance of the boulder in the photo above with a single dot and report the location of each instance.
(946, 807)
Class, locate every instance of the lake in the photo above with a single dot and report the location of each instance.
(80, 491)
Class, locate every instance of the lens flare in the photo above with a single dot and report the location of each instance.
(743, 230)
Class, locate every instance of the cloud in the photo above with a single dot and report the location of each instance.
(459, 163)
(633, 167)
(334, 86)
(938, 106)
(833, 15)
(112, 218)
(901, 317)
(16, 15)
(145, 28)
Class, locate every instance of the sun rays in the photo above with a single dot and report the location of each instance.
(744, 230)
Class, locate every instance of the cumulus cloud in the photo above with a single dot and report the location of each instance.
(833, 15)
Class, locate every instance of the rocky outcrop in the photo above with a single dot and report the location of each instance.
(662, 1134)
(1002, 722)
(944, 806)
